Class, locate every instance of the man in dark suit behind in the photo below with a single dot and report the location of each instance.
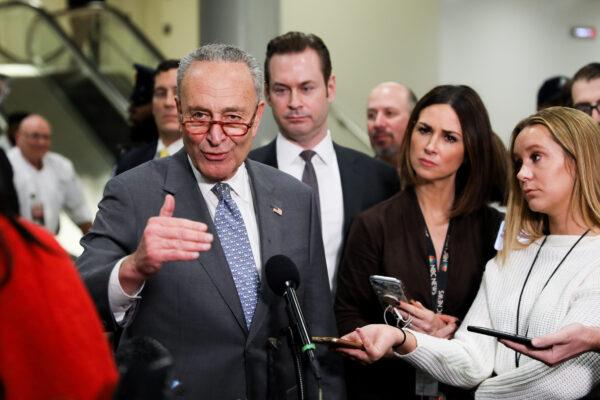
(299, 88)
(164, 111)
(178, 248)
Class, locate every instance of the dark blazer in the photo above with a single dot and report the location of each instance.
(136, 156)
(365, 180)
(193, 308)
(389, 239)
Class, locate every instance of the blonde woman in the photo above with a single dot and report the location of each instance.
(547, 276)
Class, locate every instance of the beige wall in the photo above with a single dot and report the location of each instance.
(152, 16)
(371, 42)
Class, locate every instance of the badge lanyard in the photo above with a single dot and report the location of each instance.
(518, 355)
(438, 275)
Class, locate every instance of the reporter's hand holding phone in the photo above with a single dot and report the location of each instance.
(428, 322)
(379, 341)
(552, 349)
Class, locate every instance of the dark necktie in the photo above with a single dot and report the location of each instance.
(236, 246)
(309, 175)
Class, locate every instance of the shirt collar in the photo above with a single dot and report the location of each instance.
(288, 152)
(172, 148)
(238, 182)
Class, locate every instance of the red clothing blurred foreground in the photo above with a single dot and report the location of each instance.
(51, 341)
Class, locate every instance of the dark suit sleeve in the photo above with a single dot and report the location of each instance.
(361, 259)
(112, 237)
(318, 309)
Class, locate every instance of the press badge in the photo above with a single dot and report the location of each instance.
(425, 385)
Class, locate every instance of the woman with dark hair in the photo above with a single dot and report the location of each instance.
(51, 340)
(546, 277)
(435, 236)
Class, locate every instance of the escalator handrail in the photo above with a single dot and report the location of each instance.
(125, 20)
(103, 84)
(11, 4)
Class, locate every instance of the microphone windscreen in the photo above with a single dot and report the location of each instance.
(280, 269)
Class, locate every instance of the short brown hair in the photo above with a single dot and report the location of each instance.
(588, 72)
(474, 178)
(297, 42)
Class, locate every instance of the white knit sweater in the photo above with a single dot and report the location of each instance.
(573, 295)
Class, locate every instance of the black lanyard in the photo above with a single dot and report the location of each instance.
(517, 354)
(437, 274)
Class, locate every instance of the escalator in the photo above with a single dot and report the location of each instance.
(84, 57)
(75, 68)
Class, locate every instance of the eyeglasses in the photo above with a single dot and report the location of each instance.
(197, 126)
(587, 107)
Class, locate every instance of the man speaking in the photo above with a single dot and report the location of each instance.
(177, 247)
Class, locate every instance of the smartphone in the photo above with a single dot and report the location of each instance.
(337, 342)
(500, 335)
(389, 290)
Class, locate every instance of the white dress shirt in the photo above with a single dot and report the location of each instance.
(331, 199)
(55, 185)
(171, 149)
(241, 193)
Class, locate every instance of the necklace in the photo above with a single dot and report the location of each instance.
(518, 355)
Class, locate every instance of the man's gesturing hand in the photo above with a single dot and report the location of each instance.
(165, 239)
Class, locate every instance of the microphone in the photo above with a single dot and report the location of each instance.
(145, 366)
(283, 278)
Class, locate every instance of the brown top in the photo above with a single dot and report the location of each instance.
(389, 239)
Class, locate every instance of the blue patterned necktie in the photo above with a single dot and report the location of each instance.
(236, 245)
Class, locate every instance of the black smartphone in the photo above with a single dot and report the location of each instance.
(337, 342)
(500, 335)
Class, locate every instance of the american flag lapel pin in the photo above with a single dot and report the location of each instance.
(278, 210)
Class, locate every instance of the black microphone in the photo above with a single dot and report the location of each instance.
(145, 366)
(283, 279)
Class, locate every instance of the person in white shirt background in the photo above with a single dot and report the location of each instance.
(46, 182)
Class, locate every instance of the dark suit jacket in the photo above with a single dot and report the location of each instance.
(389, 239)
(136, 156)
(192, 308)
(365, 181)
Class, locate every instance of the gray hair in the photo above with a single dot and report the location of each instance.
(217, 52)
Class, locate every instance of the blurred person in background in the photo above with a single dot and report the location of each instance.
(555, 91)
(388, 108)
(46, 182)
(164, 111)
(585, 90)
(143, 126)
(435, 236)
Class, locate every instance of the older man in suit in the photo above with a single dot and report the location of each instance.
(299, 88)
(178, 246)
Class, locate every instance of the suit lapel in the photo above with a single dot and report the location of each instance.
(191, 205)
(268, 208)
(271, 154)
(348, 175)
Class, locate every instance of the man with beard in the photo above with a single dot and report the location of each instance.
(388, 109)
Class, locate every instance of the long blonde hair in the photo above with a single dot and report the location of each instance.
(579, 136)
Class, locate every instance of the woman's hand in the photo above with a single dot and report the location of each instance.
(426, 321)
(378, 341)
(555, 348)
